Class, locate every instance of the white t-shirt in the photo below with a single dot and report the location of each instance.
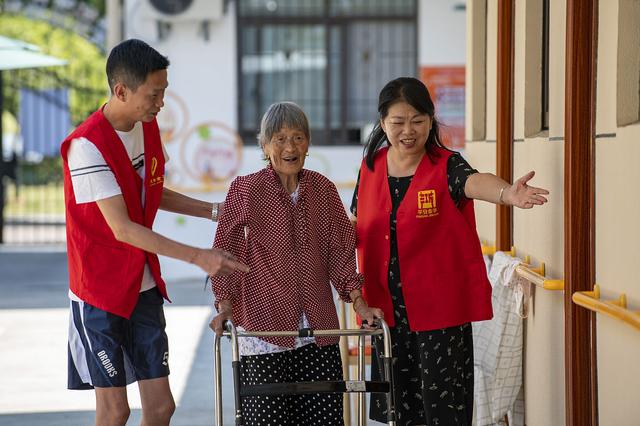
(93, 180)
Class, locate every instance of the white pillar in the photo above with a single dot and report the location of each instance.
(114, 23)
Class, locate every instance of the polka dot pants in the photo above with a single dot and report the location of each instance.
(306, 364)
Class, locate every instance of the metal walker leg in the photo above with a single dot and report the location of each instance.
(359, 386)
(362, 409)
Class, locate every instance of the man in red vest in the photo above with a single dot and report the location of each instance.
(113, 183)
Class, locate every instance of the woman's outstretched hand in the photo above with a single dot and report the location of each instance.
(520, 194)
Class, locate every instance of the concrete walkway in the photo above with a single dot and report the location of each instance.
(33, 349)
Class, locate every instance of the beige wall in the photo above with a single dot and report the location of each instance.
(617, 213)
(491, 63)
(537, 232)
(628, 55)
(606, 72)
(557, 34)
(527, 83)
(482, 156)
(475, 71)
(617, 254)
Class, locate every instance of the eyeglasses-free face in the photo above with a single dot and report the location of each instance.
(298, 138)
(286, 151)
(406, 129)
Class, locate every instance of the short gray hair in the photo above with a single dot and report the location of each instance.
(279, 115)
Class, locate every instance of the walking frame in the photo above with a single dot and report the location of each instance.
(359, 386)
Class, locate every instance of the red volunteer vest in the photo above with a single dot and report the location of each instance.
(444, 280)
(103, 271)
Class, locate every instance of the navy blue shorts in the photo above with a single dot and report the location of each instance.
(106, 350)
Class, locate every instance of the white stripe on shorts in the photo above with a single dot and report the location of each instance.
(76, 347)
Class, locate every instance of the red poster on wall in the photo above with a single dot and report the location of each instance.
(446, 85)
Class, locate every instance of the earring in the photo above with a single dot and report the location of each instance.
(306, 154)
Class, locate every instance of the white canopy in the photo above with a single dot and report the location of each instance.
(16, 54)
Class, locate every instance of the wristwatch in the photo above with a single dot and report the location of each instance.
(214, 212)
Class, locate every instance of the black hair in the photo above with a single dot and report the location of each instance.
(131, 61)
(415, 93)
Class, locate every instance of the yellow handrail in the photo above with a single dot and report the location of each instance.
(536, 277)
(524, 270)
(614, 308)
(491, 250)
(488, 250)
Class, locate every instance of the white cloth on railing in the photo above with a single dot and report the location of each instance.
(498, 349)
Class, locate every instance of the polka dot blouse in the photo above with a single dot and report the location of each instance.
(296, 251)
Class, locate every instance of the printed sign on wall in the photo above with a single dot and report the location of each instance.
(446, 85)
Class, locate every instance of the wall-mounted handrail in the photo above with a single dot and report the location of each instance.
(614, 308)
(488, 250)
(536, 277)
(540, 270)
(491, 250)
(524, 270)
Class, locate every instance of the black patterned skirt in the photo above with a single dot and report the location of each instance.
(433, 373)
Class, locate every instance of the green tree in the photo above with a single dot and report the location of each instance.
(84, 74)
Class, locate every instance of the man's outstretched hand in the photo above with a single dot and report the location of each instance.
(218, 262)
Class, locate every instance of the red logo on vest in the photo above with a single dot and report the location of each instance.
(426, 204)
(154, 180)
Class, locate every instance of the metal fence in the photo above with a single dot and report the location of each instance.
(37, 116)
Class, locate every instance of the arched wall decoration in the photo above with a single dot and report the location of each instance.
(210, 153)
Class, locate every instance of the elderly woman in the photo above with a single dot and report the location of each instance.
(289, 225)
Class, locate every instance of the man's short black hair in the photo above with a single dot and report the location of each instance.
(131, 61)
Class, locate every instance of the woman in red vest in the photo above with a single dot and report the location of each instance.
(420, 254)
